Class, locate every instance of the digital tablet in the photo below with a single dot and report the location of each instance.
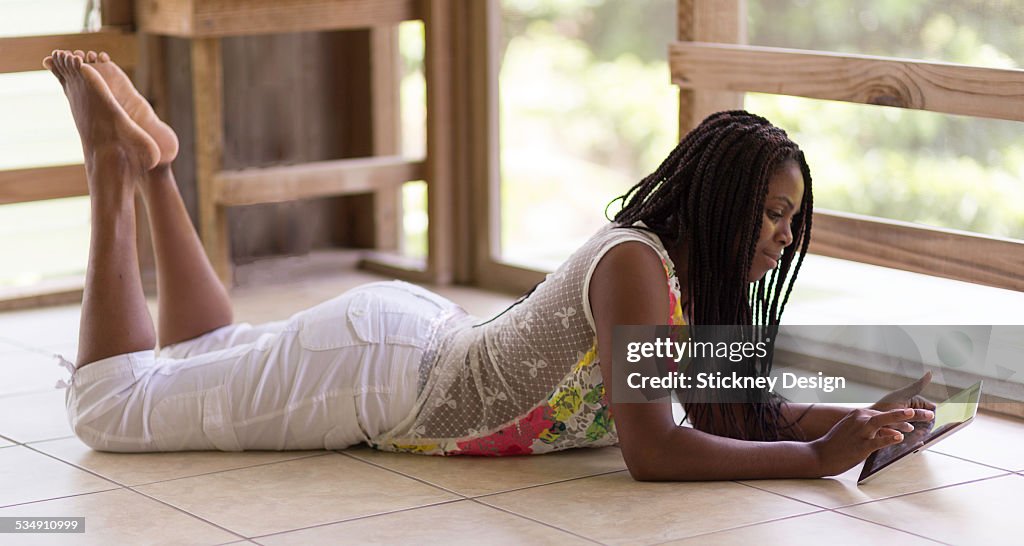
(950, 416)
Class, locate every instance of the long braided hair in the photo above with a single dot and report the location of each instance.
(709, 193)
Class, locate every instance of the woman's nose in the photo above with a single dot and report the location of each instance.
(785, 235)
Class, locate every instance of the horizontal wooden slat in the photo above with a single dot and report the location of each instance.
(395, 266)
(22, 185)
(214, 18)
(318, 179)
(48, 292)
(943, 253)
(937, 87)
(25, 53)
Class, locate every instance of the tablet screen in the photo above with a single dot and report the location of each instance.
(959, 408)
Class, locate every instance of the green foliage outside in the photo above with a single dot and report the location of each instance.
(587, 110)
(934, 169)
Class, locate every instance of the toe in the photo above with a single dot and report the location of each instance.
(104, 57)
(58, 62)
(48, 62)
(79, 53)
(76, 62)
(90, 57)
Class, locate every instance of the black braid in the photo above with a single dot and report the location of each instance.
(710, 193)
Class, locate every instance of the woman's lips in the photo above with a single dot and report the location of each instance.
(774, 259)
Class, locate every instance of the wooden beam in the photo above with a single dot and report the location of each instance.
(46, 292)
(316, 179)
(922, 85)
(386, 84)
(438, 66)
(117, 13)
(207, 97)
(25, 53)
(709, 21)
(216, 18)
(939, 252)
(396, 266)
(37, 184)
(509, 279)
(482, 143)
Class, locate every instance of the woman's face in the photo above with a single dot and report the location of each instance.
(784, 199)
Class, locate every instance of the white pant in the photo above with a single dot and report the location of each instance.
(329, 377)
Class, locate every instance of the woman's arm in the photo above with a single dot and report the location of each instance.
(810, 421)
(815, 420)
(628, 286)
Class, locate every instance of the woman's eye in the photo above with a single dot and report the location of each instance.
(774, 216)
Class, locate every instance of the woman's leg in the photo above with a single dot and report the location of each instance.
(115, 319)
(191, 299)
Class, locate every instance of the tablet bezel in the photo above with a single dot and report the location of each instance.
(929, 442)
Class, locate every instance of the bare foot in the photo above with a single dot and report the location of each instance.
(134, 104)
(104, 126)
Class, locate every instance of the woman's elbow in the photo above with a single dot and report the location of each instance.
(643, 467)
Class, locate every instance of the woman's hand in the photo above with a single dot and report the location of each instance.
(859, 433)
(907, 397)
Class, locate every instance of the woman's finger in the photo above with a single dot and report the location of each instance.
(902, 426)
(914, 388)
(890, 417)
(922, 415)
(884, 438)
(922, 402)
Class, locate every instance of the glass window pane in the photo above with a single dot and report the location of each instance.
(933, 169)
(982, 32)
(586, 110)
(37, 128)
(43, 240)
(413, 242)
(36, 17)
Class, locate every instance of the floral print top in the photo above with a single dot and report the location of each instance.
(574, 412)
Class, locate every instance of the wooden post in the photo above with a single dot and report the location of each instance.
(437, 22)
(117, 13)
(709, 21)
(207, 90)
(386, 81)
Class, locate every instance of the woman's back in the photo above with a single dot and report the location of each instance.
(528, 381)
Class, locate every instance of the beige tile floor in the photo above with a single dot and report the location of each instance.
(966, 491)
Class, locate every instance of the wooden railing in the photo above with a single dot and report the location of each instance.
(713, 69)
(25, 54)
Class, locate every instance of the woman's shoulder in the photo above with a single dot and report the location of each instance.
(627, 284)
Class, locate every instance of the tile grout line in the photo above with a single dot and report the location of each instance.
(528, 518)
(783, 495)
(16, 394)
(38, 350)
(132, 488)
(123, 487)
(972, 461)
(347, 520)
(4, 507)
(1004, 474)
(900, 495)
(424, 482)
(476, 497)
(517, 489)
(34, 442)
(742, 526)
(836, 511)
(257, 465)
(187, 513)
(128, 485)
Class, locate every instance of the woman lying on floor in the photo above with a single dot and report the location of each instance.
(403, 369)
